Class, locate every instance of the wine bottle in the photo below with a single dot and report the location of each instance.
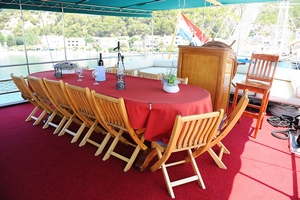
(100, 62)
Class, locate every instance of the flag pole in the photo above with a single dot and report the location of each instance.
(173, 37)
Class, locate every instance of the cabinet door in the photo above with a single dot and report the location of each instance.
(202, 71)
(210, 69)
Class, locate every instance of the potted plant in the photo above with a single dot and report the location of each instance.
(170, 81)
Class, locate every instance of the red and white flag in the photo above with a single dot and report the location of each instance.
(187, 30)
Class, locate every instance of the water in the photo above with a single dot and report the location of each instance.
(19, 58)
(11, 58)
(41, 61)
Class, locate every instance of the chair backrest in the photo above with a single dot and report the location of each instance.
(262, 68)
(112, 70)
(148, 75)
(183, 80)
(24, 89)
(56, 94)
(129, 72)
(233, 117)
(194, 131)
(228, 124)
(115, 115)
(78, 99)
(236, 113)
(39, 88)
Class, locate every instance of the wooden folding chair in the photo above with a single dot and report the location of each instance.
(114, 113)
(129, 72)
(189, 132)
(259, 79)
(79, 100)
(148, 75)
(183, 80)
(112, 70)
(228, 124)
(39, 89)
(56, 93)
(28, 95)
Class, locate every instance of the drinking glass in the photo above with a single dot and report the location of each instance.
(95, 73)
(79, 71)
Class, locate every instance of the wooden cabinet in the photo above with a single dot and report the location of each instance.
(210, 68)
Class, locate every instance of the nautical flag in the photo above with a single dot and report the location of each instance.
(187, 30)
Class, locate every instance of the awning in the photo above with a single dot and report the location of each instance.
(128, 8)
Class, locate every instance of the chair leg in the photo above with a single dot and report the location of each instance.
(100, 146)
(113, 145)
(165, 174)
(49, 120)
(234, 101)
(91, 129)
(161, 163)
(103, 144)
(133, 156)
(167, 180)
(196, 170)
(59, 126)
(262, 112)
(158, 163)
(221, 145)
(31, 115)
(39, 118)
(66, 126)
(217, 159)
(77, 134)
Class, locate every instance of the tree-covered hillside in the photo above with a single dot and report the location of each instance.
(219, 21)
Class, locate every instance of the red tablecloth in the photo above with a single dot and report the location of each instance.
(138, 96)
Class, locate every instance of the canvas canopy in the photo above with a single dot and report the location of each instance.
(127, 8)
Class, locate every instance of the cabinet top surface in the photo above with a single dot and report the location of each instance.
(210, 49)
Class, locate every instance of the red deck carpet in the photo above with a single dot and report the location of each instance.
(35, 164)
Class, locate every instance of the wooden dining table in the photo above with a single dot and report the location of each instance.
(148, 105)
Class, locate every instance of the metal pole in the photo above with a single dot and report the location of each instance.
(175, 31)
(240, 31)
(46, 36)
(152, 35)
(24, 39)
(283, 37)
(202, 24)
(278, 27)
(63, 27)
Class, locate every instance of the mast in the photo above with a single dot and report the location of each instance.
(285, 22)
